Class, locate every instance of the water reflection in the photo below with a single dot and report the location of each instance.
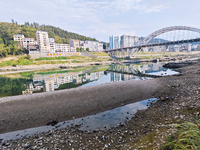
(57, 80)
(101, 121)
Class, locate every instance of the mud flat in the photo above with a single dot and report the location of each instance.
(179, 99)
(26, 111)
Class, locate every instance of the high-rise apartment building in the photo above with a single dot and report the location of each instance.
(127, 41)
(111, 41)
(43, 41)
(114, 42)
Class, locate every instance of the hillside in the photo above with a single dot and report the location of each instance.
(7, 30)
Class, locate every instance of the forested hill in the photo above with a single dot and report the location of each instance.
(7, 30)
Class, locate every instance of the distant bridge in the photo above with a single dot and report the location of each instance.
(192, 36)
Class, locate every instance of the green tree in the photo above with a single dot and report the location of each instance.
(78, 49)
(87, 49)
(81, 49)
(13, 49)
(3, 52)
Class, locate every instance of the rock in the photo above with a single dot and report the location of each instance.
(27, 145)
(181, 116)
(5, 144)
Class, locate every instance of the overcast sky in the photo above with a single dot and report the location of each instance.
(101, 18)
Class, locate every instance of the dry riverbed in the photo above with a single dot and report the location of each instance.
(179, 98)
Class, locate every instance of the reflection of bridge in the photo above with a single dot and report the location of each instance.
(166, 36)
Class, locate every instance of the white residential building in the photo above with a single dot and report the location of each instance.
(26, 41)
(56, 47)
(74, 43)
(43, 41)
(62, 47)
(52, 47)
(72, 49)
(18, 37)
(94, 46)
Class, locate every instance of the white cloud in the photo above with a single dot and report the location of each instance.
(87, 17)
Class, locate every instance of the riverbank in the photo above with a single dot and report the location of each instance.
(147, 129)
(138, 59)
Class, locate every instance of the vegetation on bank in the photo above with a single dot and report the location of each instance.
(11, 87)
(10, 47)
(187, 136)
(98, 53)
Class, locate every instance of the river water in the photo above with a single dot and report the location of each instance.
(50, 80)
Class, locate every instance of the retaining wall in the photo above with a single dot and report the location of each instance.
(35, 56)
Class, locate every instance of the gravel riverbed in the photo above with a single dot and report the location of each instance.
(178, 100)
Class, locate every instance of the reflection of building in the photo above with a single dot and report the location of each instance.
(115, 77)
(27, 91)
(53, 81)
(48, 85)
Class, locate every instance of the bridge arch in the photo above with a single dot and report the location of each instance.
(168, 29)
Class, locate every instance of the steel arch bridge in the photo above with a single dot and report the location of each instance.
(130, 51)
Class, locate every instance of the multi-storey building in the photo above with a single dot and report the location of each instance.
(26, 41)
(100, 46)
(33, 49)
(43, 41)
(94, 46)
(127, 41)
(62, 47)
(74, 43)
(18, 37)
(72, 49)
(56, 47)
(114, 42)
(111, 42)
(52, 47)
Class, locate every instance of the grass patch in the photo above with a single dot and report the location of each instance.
(187, 136)
(98, 53)
(60, 58)
(20, 61)
(51, 58)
